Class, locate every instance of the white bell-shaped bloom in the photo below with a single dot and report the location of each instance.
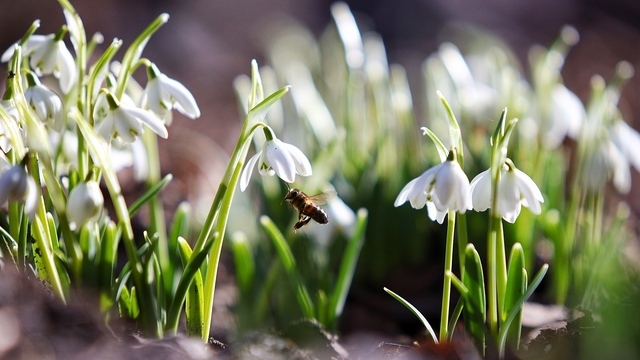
(124, 121)
(279, 158)
(566, 117)
(515, 189)
(17, 185)
(49, 55)
(46, 103)
(85, 204)
(163, 94)
(443, 188)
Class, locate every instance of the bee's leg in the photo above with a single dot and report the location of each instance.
(304, 220)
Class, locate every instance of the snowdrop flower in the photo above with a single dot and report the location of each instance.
(17, 185)
(124, 121)
(49, 55)
(85, 203)
(443, 188)
(163, 94)
(44, 102)
(604, 161)
(566, 117)
(515, 189)
(276, 157)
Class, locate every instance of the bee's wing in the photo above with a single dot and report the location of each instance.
(323, 197)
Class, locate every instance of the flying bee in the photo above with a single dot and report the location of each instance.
(307, 207)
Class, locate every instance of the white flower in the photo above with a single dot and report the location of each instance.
(17, 185)
(85, 203)
(515, 189)
(45, 103)
(443, 188)
(124, 121)
(277, 157)
(163, 94)
(566, 117)
(604, 161)
(48, 55)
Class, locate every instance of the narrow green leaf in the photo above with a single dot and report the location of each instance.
(442, 150)
(415, 312)
(244, 262)
(195, 299)
(106, 264)
(347, 267)
(289, 263)
(474, 311)
(516, 286)
(149, 194)
(502, 335)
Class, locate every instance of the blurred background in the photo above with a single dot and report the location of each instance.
(207, 44)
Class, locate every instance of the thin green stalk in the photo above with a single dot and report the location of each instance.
(448, 267)
(492, 311)
(463, 239)
(501, 265)
(214, 259)
(157, 224)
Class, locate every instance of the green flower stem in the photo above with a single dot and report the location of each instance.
(157, 222)
(448, 266)
(501, 264)
(463, 239)
(492, 311)
(132, 55)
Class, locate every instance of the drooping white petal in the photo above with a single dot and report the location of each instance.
(530, 194)
(184, 102)
(248, 170)
(280, 160)
(566, 117)
(480, 189)
(65, 69)
(419, 191)
(627, 140)
(302, 164)
(451, 188)
(509, 204)
(148, 118)
(403, 196)
(85, 202)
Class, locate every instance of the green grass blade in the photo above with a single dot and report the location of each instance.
(244, 262)
(415, 312)
(289, 263)
(502, 335)
(195, 299)
(149, 194)
(347, 268)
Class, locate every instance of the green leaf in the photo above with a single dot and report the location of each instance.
(195, 298)
(347, 267)
(502, 335)
(149, 194)
(516, 286)
(289, 263)
(474, 311)
(244, 262)
(415, 312)
(442, 150)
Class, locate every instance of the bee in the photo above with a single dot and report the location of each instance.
(307, 207)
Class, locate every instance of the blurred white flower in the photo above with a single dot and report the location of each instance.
(124, 121)
(604, 161)
(17, 185)
(443, 188)
(49, 55)
(566, 117)
(45, 103)
(277, 157)
(85, 203)
(163, 94)
(515, 189)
